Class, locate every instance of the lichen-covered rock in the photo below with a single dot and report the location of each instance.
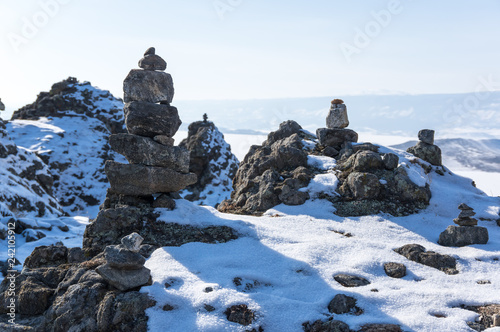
(148, 86)
(145, 151)
(426, 136)
(150, 120)
(417, 253)
(45, 256)
(428, 152)
(395, 270)
(336, 137)
(140, 180)
(460, 236)
(364, 185)
(213, 163)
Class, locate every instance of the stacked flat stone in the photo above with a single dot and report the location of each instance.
(124, 267)
(155, 166)
(466, 233)
(336, 134)
(425, 148)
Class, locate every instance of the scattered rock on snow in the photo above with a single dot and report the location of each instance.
(348, 280)
(343, 304)
(395, 270)
(328, 326)
(417, 253)
(240, 314)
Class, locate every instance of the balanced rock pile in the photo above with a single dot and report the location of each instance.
(336, 135)
(425, 148)
(466, 233)
(124, 268)
(156, 166)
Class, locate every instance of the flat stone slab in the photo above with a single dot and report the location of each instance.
(336, 137)
(150, 120)
(145, 151)
(124, 279)
(140, 180)
(348, 280)
(149, 86)
(460, 236)
(119, 257)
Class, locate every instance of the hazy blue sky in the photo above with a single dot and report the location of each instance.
(245, 49)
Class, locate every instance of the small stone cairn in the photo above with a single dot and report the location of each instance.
(156, 167)
(425, 148)
(466, 233)
(336, 135)
(124, 267)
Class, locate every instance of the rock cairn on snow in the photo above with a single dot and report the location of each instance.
(336, 135)
(425, 148)
(156, 167)
(466, 233)
(124, 267)
(212, 161)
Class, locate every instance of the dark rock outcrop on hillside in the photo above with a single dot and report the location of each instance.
(210, 158)
(419, 254)
(28, 182)
(68, 128)
(271, 173)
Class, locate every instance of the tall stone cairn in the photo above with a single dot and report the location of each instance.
(335, 136)
(156, 169)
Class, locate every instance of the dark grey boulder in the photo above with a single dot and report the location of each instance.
(417, 253)
(45, 256)
(145, 151)
(348, 280)
(336, 137)
(460, 236)
(148, 86)
(395, 270)
(364, 185)
(165, 140)
(132, 242)
(140, 180)
(153, 62)
(426, 136)
(367, 161)
(119, 257)
(124, 279)
(342, 304)
(390, 161)
(150, 120)
(428, 152)
(240, 314)
(286, 129)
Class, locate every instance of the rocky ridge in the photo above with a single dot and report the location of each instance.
(210, 158)
(68, 128)
(364, 179)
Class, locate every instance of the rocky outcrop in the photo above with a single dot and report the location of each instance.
(28, 183)
(271, 173)
(369, 182)
(466, 233)
(425, 148)
(210, 158)
(72, 296)
(418, 253)
(68, 128)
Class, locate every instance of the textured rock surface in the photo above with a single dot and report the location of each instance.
(145, 151)
(148, 86)
(417, 253)
(150, 120)
(342, 304)
(336, 137)
(212, 161)
(380, 328)
(364, 185)
(124, 279)
(328, 326)
(281, 161)
(426, 136)
(111, 225)
(139, 180)
(456, 236)
(395, 270)
(427, 152)
(240, 314)
(337, 117)
(348, 280)
(121, 258)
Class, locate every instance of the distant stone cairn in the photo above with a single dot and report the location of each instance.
(466, 233)
(425, 148)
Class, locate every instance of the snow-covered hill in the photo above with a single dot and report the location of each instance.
(68, 129)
